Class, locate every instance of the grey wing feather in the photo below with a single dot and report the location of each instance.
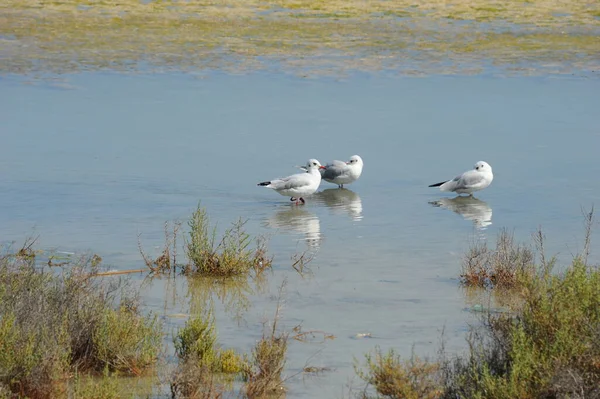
(289, 182)
(468, 179)
(333, 170)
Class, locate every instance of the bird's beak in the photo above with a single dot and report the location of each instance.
(322, 167)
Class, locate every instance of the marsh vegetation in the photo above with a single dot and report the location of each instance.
(546, 346)
(449, 36)
(73, 330)
(58, 323)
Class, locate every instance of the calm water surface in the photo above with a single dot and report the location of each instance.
(90, 163)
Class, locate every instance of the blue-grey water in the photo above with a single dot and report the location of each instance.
(90, 161)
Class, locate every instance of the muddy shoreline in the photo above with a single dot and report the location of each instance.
(302, 37)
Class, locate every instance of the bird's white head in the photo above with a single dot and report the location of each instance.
(482, 166)
(313, 164)
(355, 165)
(355, 160)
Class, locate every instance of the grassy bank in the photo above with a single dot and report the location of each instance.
(303, 36)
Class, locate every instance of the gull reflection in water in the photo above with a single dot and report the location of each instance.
(341, 200)
(296, 219)
(476, 210)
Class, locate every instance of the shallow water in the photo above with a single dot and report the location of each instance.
(90, 161)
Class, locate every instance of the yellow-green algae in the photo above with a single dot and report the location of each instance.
(316, 35)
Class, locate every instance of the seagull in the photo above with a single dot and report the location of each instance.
(473, 180)
(299, 185)
(340, 172)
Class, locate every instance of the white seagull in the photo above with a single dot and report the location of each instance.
(473, 180)
(340, 172)
(299, 185)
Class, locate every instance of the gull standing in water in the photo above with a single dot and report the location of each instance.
(299, 185)
(473, 180)
(340, 172)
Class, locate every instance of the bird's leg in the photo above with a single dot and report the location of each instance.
(302, 199)
(340, 186)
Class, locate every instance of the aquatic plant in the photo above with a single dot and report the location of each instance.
(267, 361)
(502, 267)
(166, 262)
(125, 342)
(546, 346)
(194, 381)
(549, 347)
(53, 322)
(232, 254)
(395, 378)
(201, 360)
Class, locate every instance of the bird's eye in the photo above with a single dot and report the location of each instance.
(314, 163)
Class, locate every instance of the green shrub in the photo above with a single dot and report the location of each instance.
(231, 256)
(196, 343)
(264, 373)
(501, 267)
(549, 348)
(126, 342)
(397, 379)
(203, 367)
(54, 321)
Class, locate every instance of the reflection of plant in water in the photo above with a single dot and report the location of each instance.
(232, 292)
(110, 386)
(301, 263)
(493, 301)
